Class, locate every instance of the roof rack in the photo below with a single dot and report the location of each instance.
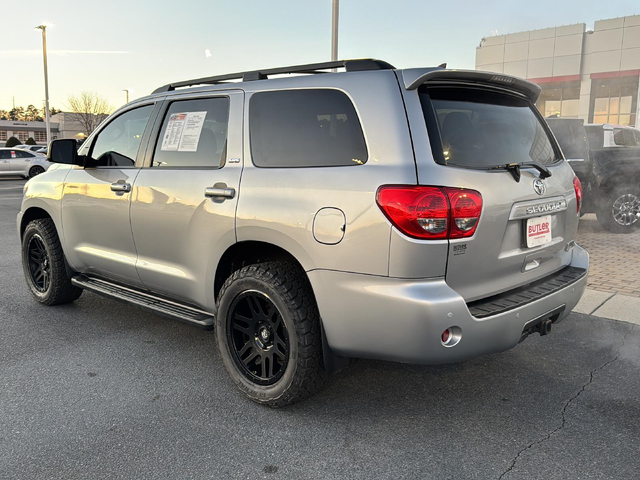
(358, 65)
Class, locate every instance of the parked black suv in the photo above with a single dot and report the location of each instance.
(606, 159)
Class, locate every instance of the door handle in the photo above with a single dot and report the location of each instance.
(120, 187)
(214, 192)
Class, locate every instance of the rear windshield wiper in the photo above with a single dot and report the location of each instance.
(514, 169)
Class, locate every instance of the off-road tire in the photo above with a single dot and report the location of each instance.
(604, 209)
(288, 288)
(60, 289)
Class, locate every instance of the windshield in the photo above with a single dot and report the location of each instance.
(479, 128)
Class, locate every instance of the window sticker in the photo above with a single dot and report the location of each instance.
(183, 132)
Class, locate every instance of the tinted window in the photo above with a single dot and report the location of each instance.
(4, 154)
(23, 154)
(117, 144)
(624, 137)
(194, 134)
(305, 128)
(564, 133)
(595, 135)
(482, 129)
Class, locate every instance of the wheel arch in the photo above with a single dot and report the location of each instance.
(31, 214)
(246, 253)
(618, 178)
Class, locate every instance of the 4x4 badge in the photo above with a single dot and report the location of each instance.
(539, 187)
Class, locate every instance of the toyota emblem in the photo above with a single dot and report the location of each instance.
(539, 187)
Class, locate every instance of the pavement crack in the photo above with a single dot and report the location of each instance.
(566, 406)
(605, 301)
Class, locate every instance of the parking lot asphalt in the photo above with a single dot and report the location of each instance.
(99, 389)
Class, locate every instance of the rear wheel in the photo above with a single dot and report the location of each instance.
(268, 331)
(619, 210)
(35, 171)
(44, 266)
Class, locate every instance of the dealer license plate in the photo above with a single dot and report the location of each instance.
(538, 231)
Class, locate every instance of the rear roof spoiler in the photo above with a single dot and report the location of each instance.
(413, 78)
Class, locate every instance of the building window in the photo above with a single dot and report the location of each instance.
(3, 135)
(561, 99)
(22, 136)
(614, 100)
(40, 137)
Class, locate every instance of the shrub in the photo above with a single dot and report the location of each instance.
(30, 141)
(12, 142)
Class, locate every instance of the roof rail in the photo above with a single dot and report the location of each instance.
(358, 65)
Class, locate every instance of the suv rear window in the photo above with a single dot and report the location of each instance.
(479, 128)
(305, 128)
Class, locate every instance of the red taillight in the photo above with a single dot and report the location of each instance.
(431, 213)
(577, 186)
(466, 206)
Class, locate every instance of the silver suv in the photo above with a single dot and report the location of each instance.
(422, 215)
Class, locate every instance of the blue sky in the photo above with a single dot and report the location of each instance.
(107, 46)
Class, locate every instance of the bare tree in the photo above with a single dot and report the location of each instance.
(89, 109)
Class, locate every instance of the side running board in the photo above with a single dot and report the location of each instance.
(147, 301)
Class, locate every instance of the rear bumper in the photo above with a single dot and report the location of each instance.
(402, 320)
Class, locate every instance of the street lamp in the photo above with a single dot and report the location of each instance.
(43, 27)
(335, 11)
(128, 90)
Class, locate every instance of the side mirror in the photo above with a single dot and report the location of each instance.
(64, 150)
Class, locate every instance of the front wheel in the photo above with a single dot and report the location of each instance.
(44, 266)
(268, 332)
(619, 210)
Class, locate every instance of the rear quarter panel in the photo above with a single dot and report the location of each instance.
(278, 205)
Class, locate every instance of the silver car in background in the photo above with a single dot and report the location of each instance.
(15, 161)
(422, 215)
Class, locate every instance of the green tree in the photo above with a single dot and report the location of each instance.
(31, 114)
(16, 114)
(12, 142)
(30, 141)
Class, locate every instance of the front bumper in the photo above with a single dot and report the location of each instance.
(402, 320)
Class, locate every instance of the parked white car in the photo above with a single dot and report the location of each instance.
(14, 161)
(30, 148)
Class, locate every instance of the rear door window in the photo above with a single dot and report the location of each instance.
(194, 134)
(305, 128)
(480, 128)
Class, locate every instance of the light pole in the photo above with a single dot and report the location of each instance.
(334, 30)
(43, 27)
(127, 90)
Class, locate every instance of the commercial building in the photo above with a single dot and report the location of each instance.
(63, 125)
(584, 73)
(24, 130)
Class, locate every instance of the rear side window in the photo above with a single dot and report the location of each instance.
(23, 154)
(305, 128)
(194, 134)
(479, 128)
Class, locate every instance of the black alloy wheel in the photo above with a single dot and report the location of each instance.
(35, 171)
(258, 337)
(39, 264)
